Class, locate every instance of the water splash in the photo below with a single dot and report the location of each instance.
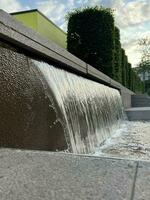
(131, 141)
(91, 111)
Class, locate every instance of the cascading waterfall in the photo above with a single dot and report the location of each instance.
(92, 111)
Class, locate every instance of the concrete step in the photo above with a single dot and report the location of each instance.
(140, 101)
(138, 114)
(140, 95)
(141, 105)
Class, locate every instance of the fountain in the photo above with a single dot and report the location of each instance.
(47, 108)
(43, 107)
(91, 112)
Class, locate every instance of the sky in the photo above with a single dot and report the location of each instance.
(131, 16)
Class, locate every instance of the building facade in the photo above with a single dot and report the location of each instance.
(35, 20)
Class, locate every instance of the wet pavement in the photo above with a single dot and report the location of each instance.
(39, 175)
(132, 141)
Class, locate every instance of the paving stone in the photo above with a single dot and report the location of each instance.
(142, 184)
(43, 175)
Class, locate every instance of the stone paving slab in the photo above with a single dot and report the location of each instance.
(39, 175)
(142, 185)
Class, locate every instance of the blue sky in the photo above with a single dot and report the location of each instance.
(131, 16)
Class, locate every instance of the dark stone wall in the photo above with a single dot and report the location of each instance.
(28, 118)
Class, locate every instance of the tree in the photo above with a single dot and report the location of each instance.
(144, 65)
(93, 37)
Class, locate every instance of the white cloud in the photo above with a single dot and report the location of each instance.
(130, 43)
(56, 10)
(132, 13)
(133, 52)
(130, 17)
(10, 5)
(53, 10)
(93, 2)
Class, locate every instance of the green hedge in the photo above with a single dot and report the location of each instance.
(117, 57)
(137, 85)
(129, 76)
(147, 87)
(93, 37)
(123, 66)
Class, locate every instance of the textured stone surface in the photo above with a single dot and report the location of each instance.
(142, 184)
(43, 176)
(48, 175)
(28, 118)
(126, 99)
(97, 74)
(115, 84)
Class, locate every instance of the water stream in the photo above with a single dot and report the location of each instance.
(91, 111)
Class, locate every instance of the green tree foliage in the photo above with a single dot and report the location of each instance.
(123, 65)
(137, 85)
(129, 76)
(144, 43)
(117, 57)
(126, 71)
(147, 85)
(91, 37)
(148, 91)
(144, 66)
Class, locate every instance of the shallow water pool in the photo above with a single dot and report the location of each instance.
(131, 141)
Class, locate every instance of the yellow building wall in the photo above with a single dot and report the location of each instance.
(51, 31)
(36, 21)
(28, 19)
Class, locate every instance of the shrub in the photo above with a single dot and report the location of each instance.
(91, 37)
(117, 57)
(129, 76)
(148, 92)
(123, 66)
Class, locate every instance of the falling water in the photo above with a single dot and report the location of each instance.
(91, 111)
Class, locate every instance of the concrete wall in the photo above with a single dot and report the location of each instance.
(126, 99)
(28, 118)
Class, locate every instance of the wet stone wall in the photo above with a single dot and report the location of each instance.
(28, 118)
